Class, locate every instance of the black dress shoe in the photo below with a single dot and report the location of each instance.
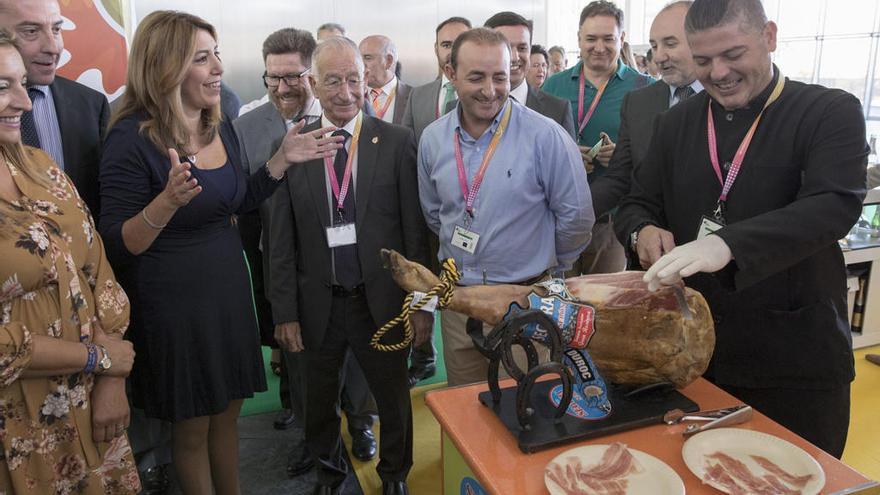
(284, 420)
(300, 464)
(363, 445)
(394, 488)
(154, 481)
(419, 373)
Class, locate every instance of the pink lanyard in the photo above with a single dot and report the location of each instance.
(470, 195)
(341, 192)
(735, 166)
(582, 120)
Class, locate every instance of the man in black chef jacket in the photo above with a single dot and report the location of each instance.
(744, 193)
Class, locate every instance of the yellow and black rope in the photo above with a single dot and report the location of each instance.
(444, 291)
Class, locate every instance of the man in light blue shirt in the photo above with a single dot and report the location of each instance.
(529, 216)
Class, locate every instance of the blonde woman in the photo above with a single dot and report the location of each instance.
(63, 411)
(171, 181)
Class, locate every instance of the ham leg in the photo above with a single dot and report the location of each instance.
(641, 337)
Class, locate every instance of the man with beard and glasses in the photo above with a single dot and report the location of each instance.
(743, 194)
(518, 32)
(523, 173)
(595, 87)
(641, 107)
(287, 54)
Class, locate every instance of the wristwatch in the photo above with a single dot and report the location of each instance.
(105, 363)
(634, 236)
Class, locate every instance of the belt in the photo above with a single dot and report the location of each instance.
(534, 280)
(340, 291)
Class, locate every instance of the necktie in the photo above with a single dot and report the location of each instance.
(447, 97)
(683, 93)
(29, 134)
(345, 258)
(376, 93)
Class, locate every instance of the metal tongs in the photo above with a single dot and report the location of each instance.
(741, 415)
(677, 415)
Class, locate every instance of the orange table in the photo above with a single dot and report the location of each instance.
(490, 452)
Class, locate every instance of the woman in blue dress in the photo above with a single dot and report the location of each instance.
(171, 182)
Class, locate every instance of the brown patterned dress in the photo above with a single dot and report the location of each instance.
(54, 281)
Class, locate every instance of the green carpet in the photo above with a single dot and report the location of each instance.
(268, 401)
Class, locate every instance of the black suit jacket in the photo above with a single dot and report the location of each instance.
(637, 114)
(388, 216)
(83, 114)
(552, 107)
(780, 305)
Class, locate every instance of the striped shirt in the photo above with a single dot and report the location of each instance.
(46, 122)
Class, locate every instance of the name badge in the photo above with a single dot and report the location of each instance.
(463, 238)
(708, 226)
(341, 235)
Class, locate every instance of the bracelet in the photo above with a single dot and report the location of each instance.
(92, 361)
(269, 173)
(149, 223)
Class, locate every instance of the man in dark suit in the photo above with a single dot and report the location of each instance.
(518, 32)
(287, 54)
(386, 93)
(757, 230)
(328, 224)
(429, 101)
(68, 120)
(642, 106)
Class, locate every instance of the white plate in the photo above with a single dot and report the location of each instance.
(741, 444)
(657, 478)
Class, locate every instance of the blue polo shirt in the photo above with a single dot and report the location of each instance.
(606, 118)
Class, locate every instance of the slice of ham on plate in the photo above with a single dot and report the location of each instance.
(739, 461)
(610, 470)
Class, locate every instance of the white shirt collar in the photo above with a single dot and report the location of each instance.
(521, 92)
(349, 126)
(697, 86)
(389, 86)
(443, 81)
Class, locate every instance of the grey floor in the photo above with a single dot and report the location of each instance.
(263, 454)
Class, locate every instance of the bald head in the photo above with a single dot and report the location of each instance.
(37, 27)
(380, 59)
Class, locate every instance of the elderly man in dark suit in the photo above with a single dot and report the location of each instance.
(328, 286)
(642, 106)
(287, 54)
(518, 32)
(68, 119)
(386, 93)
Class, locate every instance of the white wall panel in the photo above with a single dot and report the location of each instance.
(242, 26)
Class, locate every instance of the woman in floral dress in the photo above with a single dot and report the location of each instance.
(63, 410)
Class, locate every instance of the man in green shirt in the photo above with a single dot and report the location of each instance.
(605, 79)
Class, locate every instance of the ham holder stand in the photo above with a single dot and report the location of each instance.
(542, 412)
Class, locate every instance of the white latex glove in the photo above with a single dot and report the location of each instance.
(707, 255)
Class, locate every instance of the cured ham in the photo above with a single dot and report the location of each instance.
(640, 337)
(737, 478)
(608, 477)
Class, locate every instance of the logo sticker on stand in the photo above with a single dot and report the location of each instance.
(589, 399)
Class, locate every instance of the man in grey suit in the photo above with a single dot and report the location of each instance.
(287, 54)
(385, 92)
(518, 32)
(427, 102)
(640, 107)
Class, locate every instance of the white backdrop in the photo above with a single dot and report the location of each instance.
(242, 26)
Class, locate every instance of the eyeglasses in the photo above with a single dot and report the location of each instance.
(334, 82)
(289, 79)
(539, 65)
